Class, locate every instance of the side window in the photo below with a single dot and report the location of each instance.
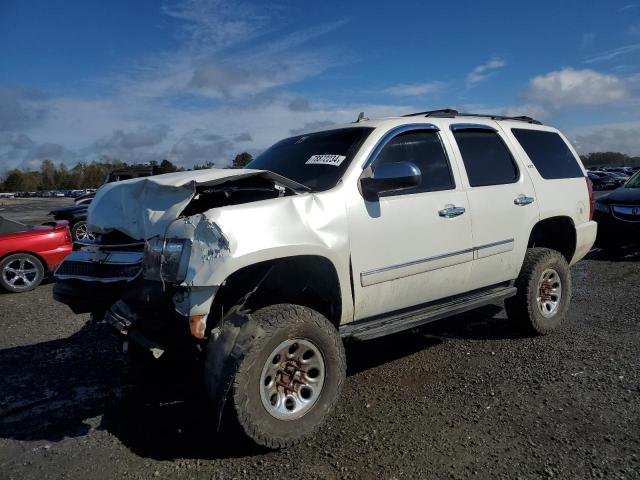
(486, 158)
(549, 153)
(425, 150)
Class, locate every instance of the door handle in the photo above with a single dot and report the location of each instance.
(451, 211)
(523, 200)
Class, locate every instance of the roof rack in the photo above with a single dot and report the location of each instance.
(451, 113)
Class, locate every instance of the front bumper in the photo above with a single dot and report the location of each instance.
(123, 319)
(614, 230)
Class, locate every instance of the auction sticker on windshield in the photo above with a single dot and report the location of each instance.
(334, 160)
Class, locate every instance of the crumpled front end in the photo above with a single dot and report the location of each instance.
(165, 245)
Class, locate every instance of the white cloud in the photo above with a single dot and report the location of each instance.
(414, 89)
(569, 87)
(484, 71)
(220, 91)
(615, 137)
(612, 54)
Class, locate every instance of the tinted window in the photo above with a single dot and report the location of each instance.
(486, 158)
(316, 160)
(549, 153)
(424, 149)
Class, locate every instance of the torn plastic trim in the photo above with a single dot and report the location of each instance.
(122, 318)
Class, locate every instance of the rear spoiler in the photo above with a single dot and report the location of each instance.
(57, 225)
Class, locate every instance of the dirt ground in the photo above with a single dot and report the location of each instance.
(467, 397)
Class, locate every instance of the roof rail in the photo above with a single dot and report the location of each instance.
(443, 112)
(451, 113)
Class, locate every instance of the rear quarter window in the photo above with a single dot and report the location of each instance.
(549, 153)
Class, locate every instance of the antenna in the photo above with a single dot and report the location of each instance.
(362, 118)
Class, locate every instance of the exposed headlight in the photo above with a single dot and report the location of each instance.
(166, 260)
(602, 207)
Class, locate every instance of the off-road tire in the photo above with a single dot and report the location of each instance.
(34, 280)
(523, 307)
(279, 323)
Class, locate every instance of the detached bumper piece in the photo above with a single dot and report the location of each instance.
(123, 319)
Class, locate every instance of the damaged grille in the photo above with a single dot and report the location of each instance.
(98, 270)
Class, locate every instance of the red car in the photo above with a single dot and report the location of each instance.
(27, 252)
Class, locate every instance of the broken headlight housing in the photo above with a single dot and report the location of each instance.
(166, 259)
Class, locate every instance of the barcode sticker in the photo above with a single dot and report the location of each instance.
(334, 160)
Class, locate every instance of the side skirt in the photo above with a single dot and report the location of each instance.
(405, 319)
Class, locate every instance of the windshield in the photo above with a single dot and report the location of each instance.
(317, 160)
(634, 182)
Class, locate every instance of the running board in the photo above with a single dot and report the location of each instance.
(378, 326)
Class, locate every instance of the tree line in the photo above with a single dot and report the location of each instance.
(92, 175)
(85, 175)
(602, 159)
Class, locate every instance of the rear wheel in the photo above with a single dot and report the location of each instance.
(290, 379)
(544, 292)
(21, 272)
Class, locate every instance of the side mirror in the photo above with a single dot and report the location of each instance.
(390, 177)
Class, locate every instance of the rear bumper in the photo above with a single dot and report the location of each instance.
(585, 238)
(54, 257)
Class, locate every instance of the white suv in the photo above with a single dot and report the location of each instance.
(354, 231)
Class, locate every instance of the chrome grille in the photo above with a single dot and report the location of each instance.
(628, 213)
(98, 270)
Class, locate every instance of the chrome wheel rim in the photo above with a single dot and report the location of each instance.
(20, 273)
(549, 292)
(83, 233)
(292, 379)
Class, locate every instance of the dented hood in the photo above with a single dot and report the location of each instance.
(143, 207)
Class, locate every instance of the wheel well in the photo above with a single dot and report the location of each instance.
(308, 280)
(557, 233)
(45, 265)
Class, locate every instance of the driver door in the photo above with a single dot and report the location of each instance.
(411, 246)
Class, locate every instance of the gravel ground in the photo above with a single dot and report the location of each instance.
(31, 210)
(467, 397)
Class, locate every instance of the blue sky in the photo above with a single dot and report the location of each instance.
(196, 81)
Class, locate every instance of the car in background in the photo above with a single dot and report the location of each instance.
(76, 216)
(29, 252)
(618, 216)
(601, 181)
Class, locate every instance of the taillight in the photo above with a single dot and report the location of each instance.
(592, 198)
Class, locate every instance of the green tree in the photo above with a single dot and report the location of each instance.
(14, 182)
(48, 172)
(167, 167)
(204, 166)
(241, 160)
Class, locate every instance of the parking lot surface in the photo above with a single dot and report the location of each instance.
(467, 397)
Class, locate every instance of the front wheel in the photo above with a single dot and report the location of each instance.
(544, 292)
(289, 380)
(81, 232)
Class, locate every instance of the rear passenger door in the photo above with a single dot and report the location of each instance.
(502, 201)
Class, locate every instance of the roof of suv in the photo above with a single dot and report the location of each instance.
(438, 117)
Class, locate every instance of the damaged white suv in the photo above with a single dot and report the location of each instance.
(354, 231)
